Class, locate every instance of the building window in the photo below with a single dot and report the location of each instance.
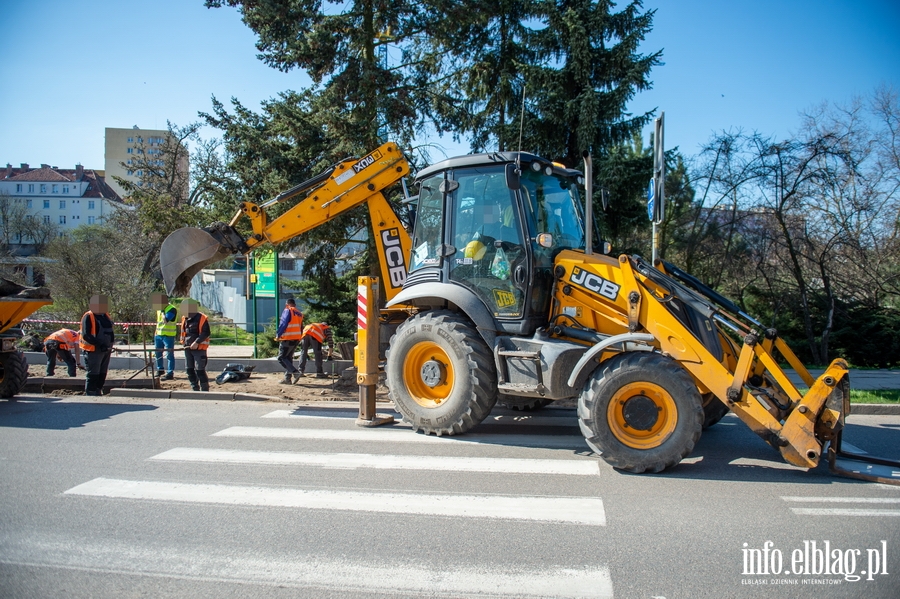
(18, 188)
(130, 140)
(62, 204)
(65, 189)
(31, 188)
(90, 204)
(90, 220)
(46, 204)
(131, 150)
(43, 188)
(47, 219)
(55, 188)
(28, 203)
(62, 219)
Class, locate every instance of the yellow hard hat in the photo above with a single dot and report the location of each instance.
(475, 250)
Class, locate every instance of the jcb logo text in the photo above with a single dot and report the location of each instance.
(393, 257)
(592, 282)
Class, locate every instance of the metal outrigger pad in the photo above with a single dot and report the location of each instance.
(862, 466)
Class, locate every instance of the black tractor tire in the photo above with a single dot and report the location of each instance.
(641, 412)
(522, 403)
(440, 373)
(713, 410)
(13, 373)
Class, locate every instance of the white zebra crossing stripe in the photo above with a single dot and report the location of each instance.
(517, 420)
(802, 511)
(404, 436)
(586, 467)
(309, 571)
(569, 510)
(862, 512)
(798, 499)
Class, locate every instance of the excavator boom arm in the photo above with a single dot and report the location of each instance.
(344, 186)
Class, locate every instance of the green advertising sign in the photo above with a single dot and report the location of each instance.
(264, 268)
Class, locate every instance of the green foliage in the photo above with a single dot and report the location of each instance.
(266, 346)
(867, 336)
(98, 259)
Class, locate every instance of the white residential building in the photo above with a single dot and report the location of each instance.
(66, 198)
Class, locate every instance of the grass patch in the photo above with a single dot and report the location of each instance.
(224, 334)
(890, 396)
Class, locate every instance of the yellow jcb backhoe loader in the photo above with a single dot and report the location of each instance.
(496, 293)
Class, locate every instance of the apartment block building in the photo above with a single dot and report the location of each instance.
(129, 152)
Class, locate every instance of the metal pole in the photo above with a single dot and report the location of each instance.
(251, 260)
(588, 204)
(659, 174)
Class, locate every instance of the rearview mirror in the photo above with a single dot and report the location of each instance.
(513, 178)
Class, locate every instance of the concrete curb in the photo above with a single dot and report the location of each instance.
(875, 409)
(178, 394)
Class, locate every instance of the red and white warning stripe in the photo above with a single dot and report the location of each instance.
(361, 308)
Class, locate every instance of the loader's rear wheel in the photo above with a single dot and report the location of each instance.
(13, 373)
(713, 410)
(641, 411)
(440, 373)
(522, 403)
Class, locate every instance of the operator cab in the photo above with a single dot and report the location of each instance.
(492, 224)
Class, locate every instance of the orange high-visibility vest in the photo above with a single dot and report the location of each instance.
(201, 345)
(81, 342)
(67, 338)
(294, 329)
(316, 330)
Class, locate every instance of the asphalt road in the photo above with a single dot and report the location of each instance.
(139, 498)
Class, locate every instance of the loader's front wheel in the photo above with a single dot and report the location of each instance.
(440, 373)
(13, 373)
(641, 411)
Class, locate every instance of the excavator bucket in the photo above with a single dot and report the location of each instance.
(186, 252)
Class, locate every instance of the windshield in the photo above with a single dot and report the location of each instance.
(555, 207)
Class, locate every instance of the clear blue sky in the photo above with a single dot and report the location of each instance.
(73, 68)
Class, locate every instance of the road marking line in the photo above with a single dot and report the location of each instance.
(341, 576)
(842, 512)
(571, 510)
(491, 419)
(405, 436)
(587, 467)
(842, 499)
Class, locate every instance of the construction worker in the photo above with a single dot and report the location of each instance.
(96, 342)
(166, 329)
(288, 335)
(314, 335)
(195, 334)
(62, 344)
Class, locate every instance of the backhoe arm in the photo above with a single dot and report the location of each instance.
(343, 187)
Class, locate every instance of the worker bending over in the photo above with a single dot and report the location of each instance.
(314, 335)
(61, 345)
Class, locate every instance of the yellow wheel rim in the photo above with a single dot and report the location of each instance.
(642, 415)
(428, 374)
